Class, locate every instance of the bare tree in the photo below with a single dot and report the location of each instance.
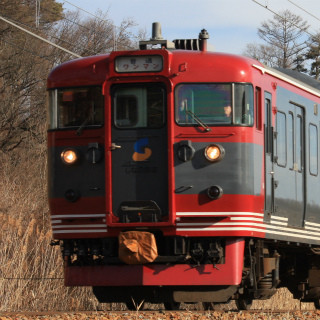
(285, 40)
(91, 36)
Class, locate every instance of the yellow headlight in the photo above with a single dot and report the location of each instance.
(69, 156)
(214, 153)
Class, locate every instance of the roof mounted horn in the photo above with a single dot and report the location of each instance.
(156, 39)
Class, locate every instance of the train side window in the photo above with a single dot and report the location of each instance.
(299, 143)
(268, 125)
(290, 141)
(313, 149)
(281, 141)
(258, 108)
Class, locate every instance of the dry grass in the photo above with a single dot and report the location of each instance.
(31, 275)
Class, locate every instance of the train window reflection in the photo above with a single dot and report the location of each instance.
(313, 149)
(281, 141)
(212, 104)
(138, 106)
(81, 106)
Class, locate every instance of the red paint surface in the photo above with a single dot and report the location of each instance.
(229, 273)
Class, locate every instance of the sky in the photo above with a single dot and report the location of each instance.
(231, 24)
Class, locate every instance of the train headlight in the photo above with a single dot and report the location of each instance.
(214, 152)
(69, 156)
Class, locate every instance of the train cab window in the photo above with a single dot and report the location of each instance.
(214, 104)
(75, 107)
(138, 106)
(243, 104)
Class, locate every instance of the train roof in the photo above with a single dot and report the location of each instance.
(293, 77)
(301, 77)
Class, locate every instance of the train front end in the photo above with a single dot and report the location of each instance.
(155, 173)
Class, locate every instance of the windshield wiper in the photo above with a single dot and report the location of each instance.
(84, 123)
(196, 118)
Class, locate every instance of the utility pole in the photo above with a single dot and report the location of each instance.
(37, 13)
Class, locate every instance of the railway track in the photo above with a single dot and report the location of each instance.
(165, 315)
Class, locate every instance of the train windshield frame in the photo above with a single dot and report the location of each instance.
(76, 107)
(214, 104)
(138, 106)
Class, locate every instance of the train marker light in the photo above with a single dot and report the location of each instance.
(214, 153)
(72, 195)
(214, 192)
(69, 156)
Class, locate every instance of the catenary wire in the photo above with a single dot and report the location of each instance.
(278, 15)
(38, 37)
(312, 15)
(26, 50)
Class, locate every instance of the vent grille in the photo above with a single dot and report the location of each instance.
(187, 44)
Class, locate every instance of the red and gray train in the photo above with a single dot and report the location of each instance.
(182, 175)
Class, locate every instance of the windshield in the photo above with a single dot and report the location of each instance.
(76, 107)
(139, 106)
(212, 104)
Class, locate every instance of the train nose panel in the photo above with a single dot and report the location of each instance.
(140, 177)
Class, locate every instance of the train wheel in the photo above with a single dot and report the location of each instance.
(244, 302)
(317, 303)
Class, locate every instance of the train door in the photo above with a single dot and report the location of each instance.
(289, 171)
(296, 217)
(268, 151)
(139, 153)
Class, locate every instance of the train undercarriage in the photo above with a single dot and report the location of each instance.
(267, 265)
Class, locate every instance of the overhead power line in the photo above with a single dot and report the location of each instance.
(83, 10)
(32, 28)
(278, 15)
(309, 13)
(26, 50)
(41, 38)
(97, 17)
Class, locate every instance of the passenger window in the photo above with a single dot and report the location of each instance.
(290, 140)
(313, 149)
(299, 143)
(281, 147)
(258, 108)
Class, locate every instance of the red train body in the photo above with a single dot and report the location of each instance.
(203, 158)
